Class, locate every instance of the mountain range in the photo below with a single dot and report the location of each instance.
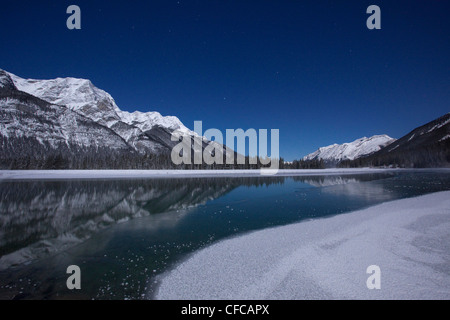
(142, 132)
(425, 146)
(70, 123)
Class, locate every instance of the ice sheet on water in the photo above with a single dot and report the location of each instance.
(408, 239)
(119, 174)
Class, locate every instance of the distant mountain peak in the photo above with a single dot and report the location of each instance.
(335, 153)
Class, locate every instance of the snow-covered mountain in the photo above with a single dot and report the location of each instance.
(81, 96)
(70, 123)
(425, 146)
(26, 118)
(349, 151)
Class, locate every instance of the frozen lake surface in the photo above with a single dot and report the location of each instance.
(139, 174)
(127, 232)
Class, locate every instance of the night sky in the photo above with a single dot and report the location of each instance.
(309, 68)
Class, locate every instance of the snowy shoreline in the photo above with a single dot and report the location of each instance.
(409, 239)
(142, 174)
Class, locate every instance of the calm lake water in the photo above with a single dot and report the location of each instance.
(124, 234)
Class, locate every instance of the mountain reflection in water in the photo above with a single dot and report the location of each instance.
(125, 233)
(38, 218)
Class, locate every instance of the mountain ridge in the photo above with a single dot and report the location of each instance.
(81, 96)
(333, 154)
(68, 123)
(425, 146)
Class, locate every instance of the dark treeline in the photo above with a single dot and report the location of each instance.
(28, 153)
(306, 164)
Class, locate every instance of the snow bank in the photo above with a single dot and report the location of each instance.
(125, 174)
(408, 239)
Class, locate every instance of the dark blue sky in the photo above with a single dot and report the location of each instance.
(309, 68)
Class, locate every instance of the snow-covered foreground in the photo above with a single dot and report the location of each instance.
(130, 174)
(408, 239)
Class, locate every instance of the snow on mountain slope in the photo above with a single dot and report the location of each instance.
(6, 81)
(24, 117)
(147, 120)
(83, 97)
(425, 146)
(76, 94)
(426, 135)
(349, 151)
